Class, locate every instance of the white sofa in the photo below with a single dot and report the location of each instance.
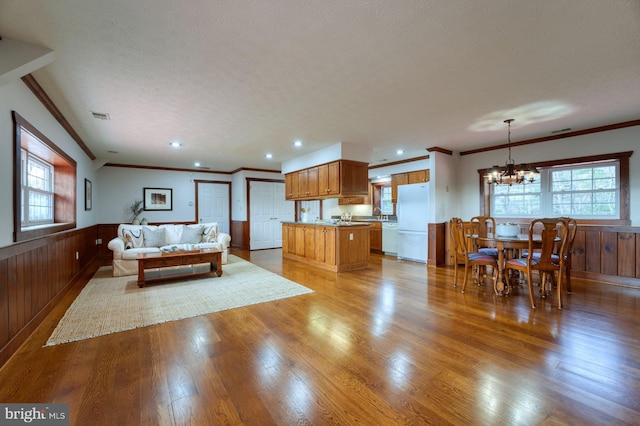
(135, 239)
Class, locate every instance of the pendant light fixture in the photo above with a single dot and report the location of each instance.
(512, 173)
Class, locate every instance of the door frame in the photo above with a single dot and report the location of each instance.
(197, 206)
(248, 200)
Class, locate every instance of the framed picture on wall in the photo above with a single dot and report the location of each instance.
(158, 199)
(88, 200)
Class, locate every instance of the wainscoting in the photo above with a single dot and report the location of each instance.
(600, 253)
(34, 275)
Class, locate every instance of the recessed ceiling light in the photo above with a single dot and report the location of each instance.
(196, 164)
(297, 143)
(268, 156)
(175, 144)
(400, 152)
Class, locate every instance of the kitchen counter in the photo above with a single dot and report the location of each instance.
(328, 223)
(337, 247)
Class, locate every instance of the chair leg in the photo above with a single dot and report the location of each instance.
(455, 274)
(464, 281)
(559, 288)
(567, 276)
(530, 285)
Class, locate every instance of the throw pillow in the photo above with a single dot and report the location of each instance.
(210, 234)
(191, 234)
(132, 238)
(154, 237)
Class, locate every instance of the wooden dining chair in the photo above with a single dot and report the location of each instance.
(555, 258)
(553, 231)
(480, 226)
(464, 254)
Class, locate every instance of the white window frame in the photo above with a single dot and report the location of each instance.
(546, 194)
(28, 158)
(386, 190)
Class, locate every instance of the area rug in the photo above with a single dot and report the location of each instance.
(110, 304)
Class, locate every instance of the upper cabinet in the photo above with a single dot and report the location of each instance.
(417, 176)
(341, 178)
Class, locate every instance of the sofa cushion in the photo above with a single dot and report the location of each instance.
(172, 233)
(133, 238)
(154, 237)
(191, 234)
(217, 246)
(131, 254)
(210, 233)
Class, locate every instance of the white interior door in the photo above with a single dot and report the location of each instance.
(213, 204)
(268, 209)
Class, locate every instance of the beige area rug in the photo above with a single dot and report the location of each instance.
(110, 304)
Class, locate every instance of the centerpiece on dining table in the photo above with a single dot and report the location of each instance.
(507, 229)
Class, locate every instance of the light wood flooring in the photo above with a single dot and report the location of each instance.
(391, 344)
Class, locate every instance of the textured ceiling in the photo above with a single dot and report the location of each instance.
(233, 80)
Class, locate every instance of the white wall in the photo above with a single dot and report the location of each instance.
(120, 186)
(620, 140)
(239, 190)
(15, 96)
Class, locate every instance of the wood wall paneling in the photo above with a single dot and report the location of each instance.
(240, 234)
(437, 251)
(609, 253)
(592, 249)
(33, 277)
(626, 249)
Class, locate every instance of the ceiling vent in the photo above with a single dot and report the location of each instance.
(100, 116)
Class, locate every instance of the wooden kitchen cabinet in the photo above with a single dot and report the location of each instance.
(397, 180)
(308, 182)
(325, 245)
(417, 176)
(375, 236)
(336, 248)
(346, 201)
(292, 186)
(341, 178)
(329, 178)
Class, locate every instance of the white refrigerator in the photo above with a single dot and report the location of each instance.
(412, 210)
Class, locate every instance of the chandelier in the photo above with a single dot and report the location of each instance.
(512, 173)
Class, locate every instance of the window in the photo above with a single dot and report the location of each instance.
(519, 200)
(583, 191)
(586, 191)
(386, 206)
(37, 190)
(44, 184)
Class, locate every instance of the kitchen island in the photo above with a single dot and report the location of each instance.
(337, 247)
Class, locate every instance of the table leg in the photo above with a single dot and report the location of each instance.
(140, 273)
(218, 264)
(499, 283)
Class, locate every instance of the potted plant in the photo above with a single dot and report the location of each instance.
(136, 209)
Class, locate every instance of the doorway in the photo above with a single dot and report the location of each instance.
(213, 201)
(268, 209)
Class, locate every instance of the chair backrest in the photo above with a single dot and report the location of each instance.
(572, 228)
(480, 225)
(553, 232)
(456, 228)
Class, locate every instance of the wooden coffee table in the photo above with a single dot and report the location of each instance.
(164, 260)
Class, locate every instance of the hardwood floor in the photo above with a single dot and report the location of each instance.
(391, 344)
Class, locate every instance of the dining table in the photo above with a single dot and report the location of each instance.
(504, 244)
